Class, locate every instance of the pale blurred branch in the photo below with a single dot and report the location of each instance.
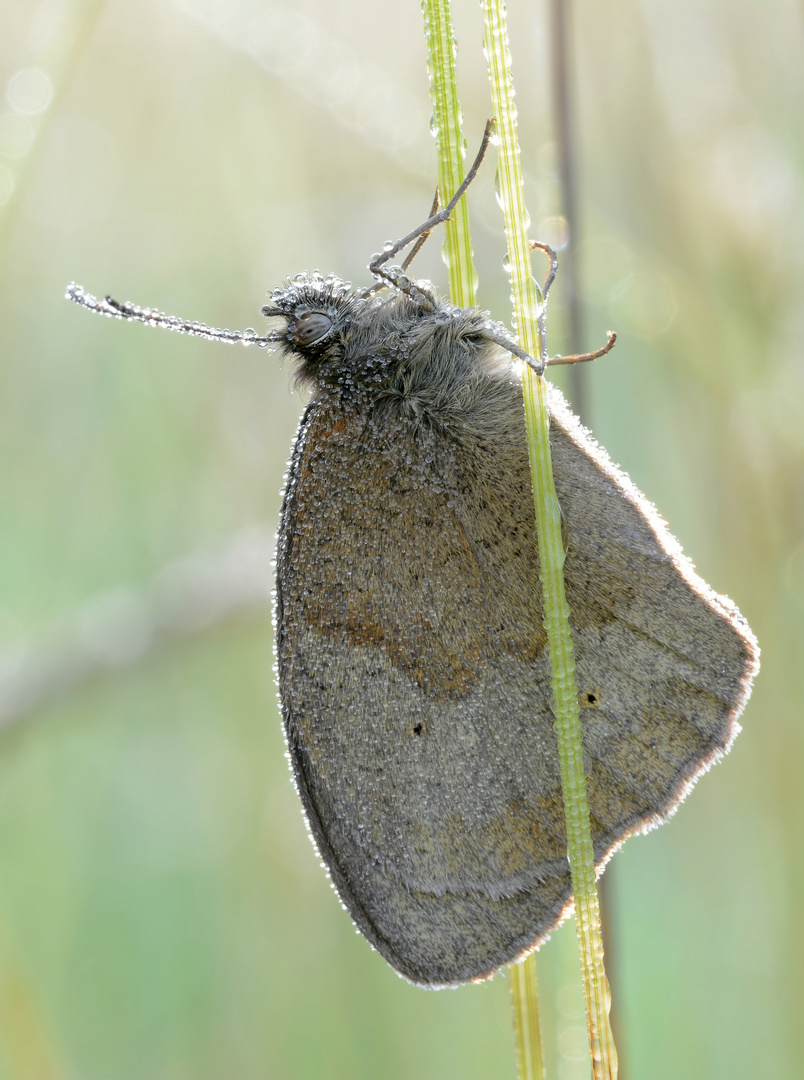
(124, 626)
(326, 70)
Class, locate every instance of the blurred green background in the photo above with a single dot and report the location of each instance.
(162, 912)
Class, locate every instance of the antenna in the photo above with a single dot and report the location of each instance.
(152, 317)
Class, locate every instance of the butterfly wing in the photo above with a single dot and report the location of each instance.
(416, 685)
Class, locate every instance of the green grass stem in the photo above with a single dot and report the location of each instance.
(527, 1023)
(527, 300)
(458, 256)
(446, 126)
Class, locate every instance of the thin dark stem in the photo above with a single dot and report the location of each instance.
(564, 124)
(562, 78)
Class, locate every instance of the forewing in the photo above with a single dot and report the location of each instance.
(415, 690)
(415, 681)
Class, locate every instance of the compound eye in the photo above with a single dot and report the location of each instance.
(310, 328)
